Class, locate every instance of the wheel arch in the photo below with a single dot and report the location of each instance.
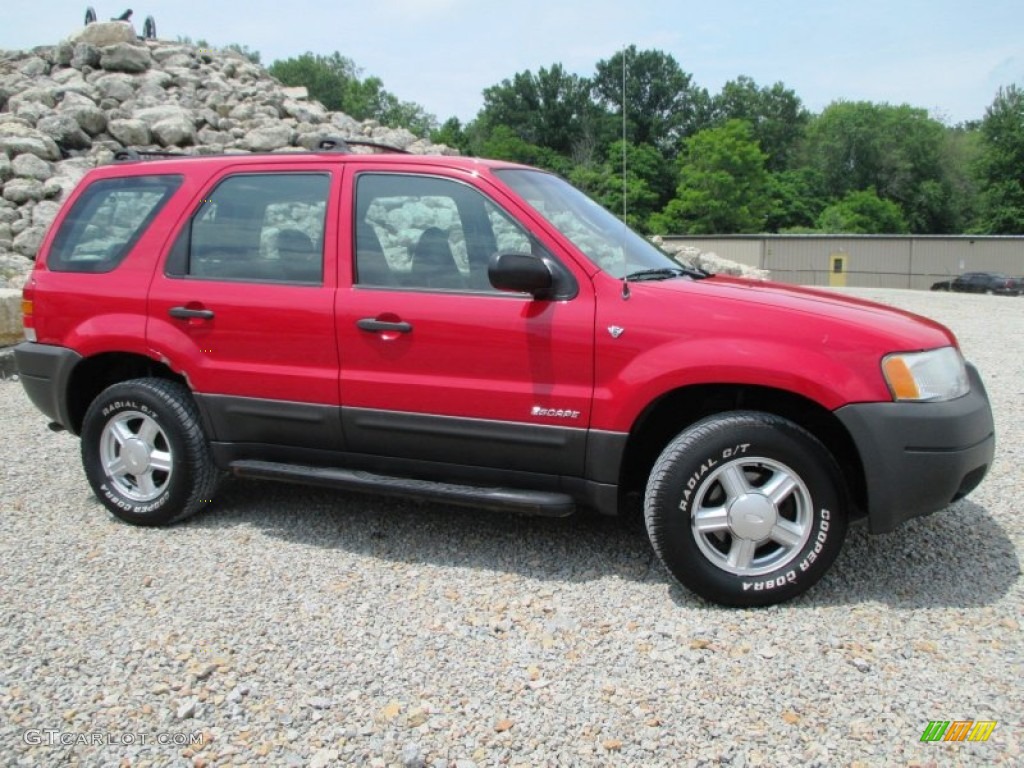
(94, 374)
(671, 413)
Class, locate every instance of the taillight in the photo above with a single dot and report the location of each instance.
(28, 311)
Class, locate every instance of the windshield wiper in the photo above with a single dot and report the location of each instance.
(664, 273)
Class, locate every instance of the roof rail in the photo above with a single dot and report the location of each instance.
(338, 144)
(129, 155)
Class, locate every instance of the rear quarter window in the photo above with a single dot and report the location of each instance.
(107, 220)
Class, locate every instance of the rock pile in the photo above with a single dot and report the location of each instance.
(710, 261)
(67, 108)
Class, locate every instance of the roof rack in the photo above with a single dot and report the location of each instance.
(326, 144)
(338, 144)
(129, 155)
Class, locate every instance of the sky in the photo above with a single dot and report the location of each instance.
(946, 56)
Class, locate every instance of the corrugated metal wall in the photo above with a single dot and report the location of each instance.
(873, 261)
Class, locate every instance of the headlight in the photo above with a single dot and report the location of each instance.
(939, 374)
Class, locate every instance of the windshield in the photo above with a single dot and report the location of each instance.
(602, 237)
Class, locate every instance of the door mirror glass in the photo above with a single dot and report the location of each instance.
(520, 273)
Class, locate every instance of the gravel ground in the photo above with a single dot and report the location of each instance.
(296, 627)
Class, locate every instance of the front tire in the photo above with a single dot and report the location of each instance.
(746, 509)
(145, 454)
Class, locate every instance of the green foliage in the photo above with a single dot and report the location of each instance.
(862, 212)
(775, 114)
(606, 184)
(724, 187)
(661, 101)
(1001, 163)
(551, 109)
(336, 82)
(502, 143)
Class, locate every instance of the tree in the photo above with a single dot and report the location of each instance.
(336, 82)
(862, 212)
(551, 109)
(1001, 164)
(662, 103)
(605, 182)
(775, 114)
(895, 150)
(723, 184)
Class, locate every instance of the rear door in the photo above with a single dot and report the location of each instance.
(244, 306)
(437, 366)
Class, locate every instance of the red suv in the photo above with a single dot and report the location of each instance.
(480, 333)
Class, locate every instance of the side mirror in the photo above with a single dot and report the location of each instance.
(521, 273)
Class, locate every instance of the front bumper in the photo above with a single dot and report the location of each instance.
(921, 457)
(45, 370)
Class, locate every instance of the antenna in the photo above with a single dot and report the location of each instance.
(624, 186)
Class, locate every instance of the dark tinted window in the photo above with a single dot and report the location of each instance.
(429, 233)
(257, 227)
(106, 222)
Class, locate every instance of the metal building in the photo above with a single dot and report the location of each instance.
(874, 261)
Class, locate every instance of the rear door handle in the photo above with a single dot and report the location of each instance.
(184, 313)
(376, 326)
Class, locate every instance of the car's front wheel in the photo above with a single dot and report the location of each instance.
(746, 508)
(145, 454)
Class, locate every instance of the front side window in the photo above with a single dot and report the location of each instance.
(257, 228)
(429, 233)
(107, 220)
(598, 234)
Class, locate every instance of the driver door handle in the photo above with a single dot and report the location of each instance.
(376, 326)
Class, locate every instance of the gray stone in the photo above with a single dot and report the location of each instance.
(39, 94)
(8, 212)
(6, 236)
(305, 111)
(157, 78)
(175, 131)
(22, 190)
(212, 137)
(298, 93)
(125, 57)
(153, 115)
(164, 52)
(103, 33)
(131, 133)
(28, 166)
(116, 85)
(85, 55)
(10, 317)
(64, 129)
(35, 67)
(6, 171)
(63, 52)
(267, 138)
(28, 242)
(52, 188)
(89, 117)
(16, 138)
(44, 213)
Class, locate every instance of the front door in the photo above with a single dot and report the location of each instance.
(437, 366)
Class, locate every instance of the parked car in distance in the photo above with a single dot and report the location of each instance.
(481, 333)
(942, 285)
(986, 282)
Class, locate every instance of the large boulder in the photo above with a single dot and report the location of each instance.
(102, 33)
(17, 138)
(85, 55)
(131, 133)
(175, 131)
(85, 112)
(28, 166)
(125, 57)
(64, 130)
(267, 138)
(21, 191)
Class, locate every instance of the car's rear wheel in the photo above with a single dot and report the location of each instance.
(145, 454)
(746, 508)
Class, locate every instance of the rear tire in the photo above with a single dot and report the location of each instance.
(746, 509)
(145, 454)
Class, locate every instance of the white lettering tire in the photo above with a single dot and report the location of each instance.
(145, 454)
(746, 508)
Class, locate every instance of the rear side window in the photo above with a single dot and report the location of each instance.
(107, 220)
(257, 228)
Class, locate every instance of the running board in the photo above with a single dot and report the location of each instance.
(542, 503)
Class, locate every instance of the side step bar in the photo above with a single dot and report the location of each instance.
(542, 503)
